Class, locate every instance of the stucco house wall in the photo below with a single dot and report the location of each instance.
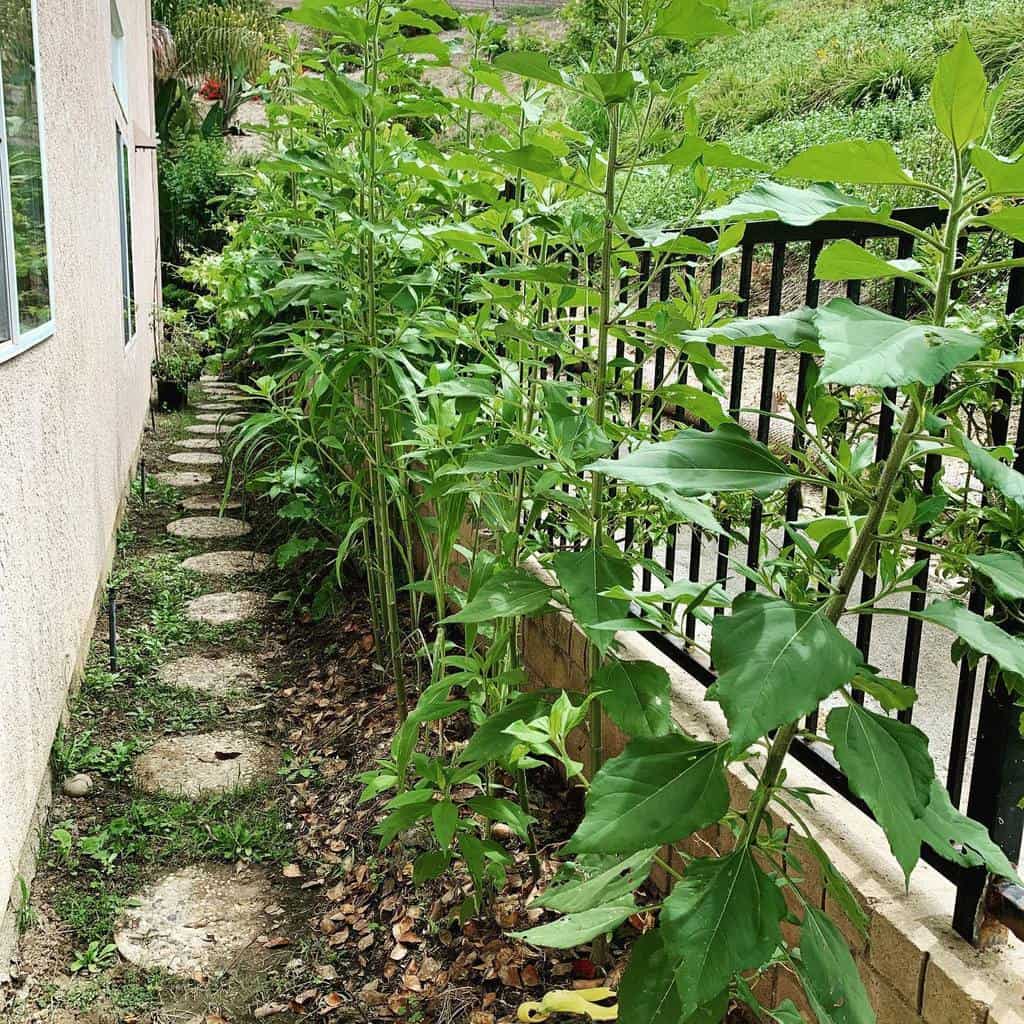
(73, 407)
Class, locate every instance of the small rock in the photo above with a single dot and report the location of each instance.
(77, 785)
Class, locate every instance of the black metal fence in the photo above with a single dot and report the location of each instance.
(973, 727)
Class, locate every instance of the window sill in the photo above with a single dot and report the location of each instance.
(11, 349)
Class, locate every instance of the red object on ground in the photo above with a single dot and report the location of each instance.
(211, 89)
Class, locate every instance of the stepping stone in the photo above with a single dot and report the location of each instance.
(184, 479)
(209, 503)
(210, 762)
(199, 443)
(215, 676)
(195, 459)
(197, 920)
(225, 608)
(219, 407)
(209, 428)
(208, 527)
(227, 563)
(225, 417)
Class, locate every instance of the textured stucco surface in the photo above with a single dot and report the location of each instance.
(75, 405)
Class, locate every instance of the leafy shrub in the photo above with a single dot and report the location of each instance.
(999, 40)
(875, 73)
(1009, 119)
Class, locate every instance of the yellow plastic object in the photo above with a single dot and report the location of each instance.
(583, 1002)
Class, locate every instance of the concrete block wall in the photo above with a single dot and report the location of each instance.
(916, 969)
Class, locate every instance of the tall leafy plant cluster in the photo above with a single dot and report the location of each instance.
(452, 377)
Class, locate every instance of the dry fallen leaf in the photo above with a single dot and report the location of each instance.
(292, 871)
(269, 1010)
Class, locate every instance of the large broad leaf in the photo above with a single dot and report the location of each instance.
(994, 473)
(584, 575)
(529, 64)
(636, 695)
(722, 918)
(959, 838)
(648, 993)
(795, 332)
(846, 261)
(656, 791)
(690, 21)
(696, 462)
(576, 929)
(1004, 569)
(506, 593)
(1003, 177)
(776, 661)
(889, 768)
(865, 347)
(602, 879)
(1009, 220)
(829, 975)
(853, 162)
(711, 154)
(797, 206)
(979, 633)
(958, 95)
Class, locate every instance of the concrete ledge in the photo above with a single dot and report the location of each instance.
(916, 969)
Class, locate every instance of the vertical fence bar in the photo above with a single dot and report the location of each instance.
(635, 403)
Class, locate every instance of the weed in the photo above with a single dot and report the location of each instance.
(88, 912)
(25, 916)
(94, 958)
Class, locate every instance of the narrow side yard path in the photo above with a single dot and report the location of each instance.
(208, 858)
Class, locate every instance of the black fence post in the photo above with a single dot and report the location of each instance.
(997, 785)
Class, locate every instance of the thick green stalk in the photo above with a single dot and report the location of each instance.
(836, 605)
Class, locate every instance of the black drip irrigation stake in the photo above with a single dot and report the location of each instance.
(142, 480)
(112, 626)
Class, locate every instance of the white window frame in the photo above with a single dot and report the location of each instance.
(118, 59)
(124, 142)
(22, 341)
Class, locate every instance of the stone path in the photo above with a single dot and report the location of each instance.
(197, 920)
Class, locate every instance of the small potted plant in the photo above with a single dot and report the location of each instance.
(178, 363)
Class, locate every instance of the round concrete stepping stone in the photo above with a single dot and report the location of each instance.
(219, 406)
(195, 459)
(225, 608)
(199, 443)
(209, 503)
(222, 417)
(209, 428)
(210, 762)
(208, 527)
(184, 479)
(196, 920)
(227, 563)
(215, 676)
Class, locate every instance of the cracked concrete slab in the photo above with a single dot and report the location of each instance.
(208, 527)
(209, 428)
(227, 563)
(184, 479)
(199, 443)
(195, 459)
(225, 608)
(209, 503)
(218, 677)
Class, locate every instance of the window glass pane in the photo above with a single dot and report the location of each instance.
(24, 154)
(127, 260)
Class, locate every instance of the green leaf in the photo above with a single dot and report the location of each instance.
(656, 791)
(721, 918)
(490, 741)
(648, 993)
(711, 154)
(891, 694)
(979, 633)
(1003, 177)
(602, 879)
(776, 661)
(529, 64)
(695, 401)
(695, 462)
(611, 87)
(837, 886)
(508, 592)
(430, 865)
(1004, 569)
(400, 820)
(1009, 220)
(499, 459)
(575, 929)
(796, 332)
(959, 838)
(853, 162)
(958, 94)
(636, 696)
(994, 473)
(864, 347)
(532, 158)
(583, 576)
(796, 206)
(829, 975)
(845, 261)
(889, 768)
(495, 809)
(446, 818)
(686, 510)
(690, 21)
(786, 1013)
